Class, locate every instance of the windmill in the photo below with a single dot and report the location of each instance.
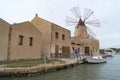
(81, 23)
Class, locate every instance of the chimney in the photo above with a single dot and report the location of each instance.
(36, 15)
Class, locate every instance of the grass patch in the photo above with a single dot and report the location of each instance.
(27, 62)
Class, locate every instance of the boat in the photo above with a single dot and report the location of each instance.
(109, 53)
(95, 59)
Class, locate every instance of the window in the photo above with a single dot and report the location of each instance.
(56, 35)
(63, 37)
(31, 41)
(21, 40)
(79, 44)
(72, 43)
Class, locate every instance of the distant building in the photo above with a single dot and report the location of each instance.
(25, 41)
(4, 39)
(55, 39)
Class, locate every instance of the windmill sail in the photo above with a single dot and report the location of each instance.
(87, 14)
(81, 23)
(70, 21)
(76, 12)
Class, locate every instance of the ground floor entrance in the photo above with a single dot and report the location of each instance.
(87, 50)
(66, 51)
(56, 51)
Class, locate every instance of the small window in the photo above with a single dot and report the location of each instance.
(79, 44)
(31, 41)
(72, 43)
(21, 40)
(63, 37)
(57, 35)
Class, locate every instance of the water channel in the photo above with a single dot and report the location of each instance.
(106, 71)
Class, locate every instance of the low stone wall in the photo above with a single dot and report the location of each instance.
(40, 69)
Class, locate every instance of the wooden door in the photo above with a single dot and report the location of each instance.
(87, 50)
(66, 51)
(56, 51)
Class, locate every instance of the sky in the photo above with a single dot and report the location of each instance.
(107, 11)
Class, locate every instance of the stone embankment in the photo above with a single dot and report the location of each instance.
(39, 69)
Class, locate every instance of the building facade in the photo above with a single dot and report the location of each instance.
(60, 43)
(25, 41)
(4, 39)
(55, 39)
(88, 46)
(38, 38)
(91, 46)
